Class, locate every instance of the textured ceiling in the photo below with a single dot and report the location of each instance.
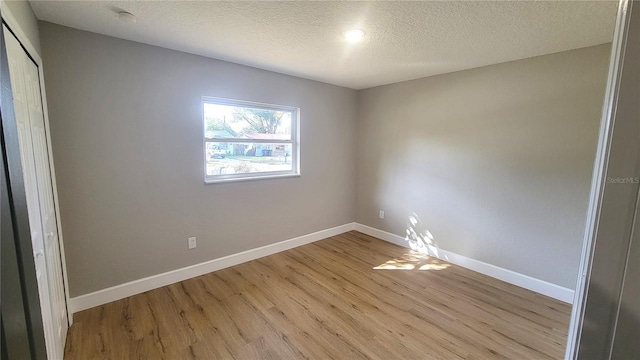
(404, 40)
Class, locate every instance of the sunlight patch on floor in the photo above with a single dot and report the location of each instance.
(424, 253)
(413, 260)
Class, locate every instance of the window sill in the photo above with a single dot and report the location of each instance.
(252, 178)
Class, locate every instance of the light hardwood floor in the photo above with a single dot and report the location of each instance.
(351, 296)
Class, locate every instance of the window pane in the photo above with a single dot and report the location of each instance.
(228, 121)
(227, 158)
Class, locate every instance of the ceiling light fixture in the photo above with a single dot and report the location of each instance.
(353, 36)
(126, 17)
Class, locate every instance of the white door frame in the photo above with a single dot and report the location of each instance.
(599, 180)
(11, 21)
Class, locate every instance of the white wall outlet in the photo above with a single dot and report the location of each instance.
(192, 243)
(381, 214)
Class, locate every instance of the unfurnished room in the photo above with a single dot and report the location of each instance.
(320, 180)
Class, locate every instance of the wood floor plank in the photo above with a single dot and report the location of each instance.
(350, 296)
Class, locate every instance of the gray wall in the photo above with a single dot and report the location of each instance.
(126, 127)
(22, 13)
(496, 161)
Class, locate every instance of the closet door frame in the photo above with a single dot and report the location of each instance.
(13, 24)
(22, 326)
(613, 206)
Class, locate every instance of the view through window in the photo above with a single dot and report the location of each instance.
(248, 140)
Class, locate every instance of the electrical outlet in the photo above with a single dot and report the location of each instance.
(381, 214)
(192, 243)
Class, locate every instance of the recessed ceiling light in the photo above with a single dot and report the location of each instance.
(126, 17)
(354, 35)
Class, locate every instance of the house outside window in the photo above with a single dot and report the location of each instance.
(246, 140)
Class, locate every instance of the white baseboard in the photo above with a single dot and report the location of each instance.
(511, 277)
(122, 291)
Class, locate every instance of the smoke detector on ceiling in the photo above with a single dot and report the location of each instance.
(126, 17)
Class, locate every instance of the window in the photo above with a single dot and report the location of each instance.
(245, 140)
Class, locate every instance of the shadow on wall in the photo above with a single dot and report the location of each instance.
(424, 250)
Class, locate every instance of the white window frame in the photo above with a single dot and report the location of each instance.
(294, 141)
